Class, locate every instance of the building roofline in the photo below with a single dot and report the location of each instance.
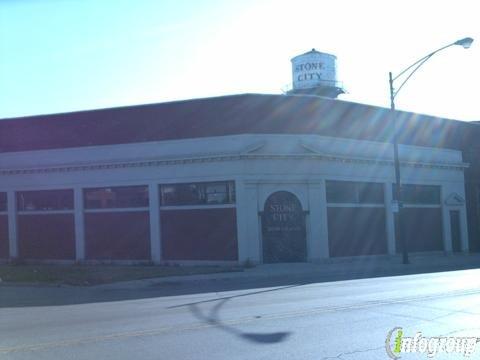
(125, 106)
(190, 100)
(229, 115)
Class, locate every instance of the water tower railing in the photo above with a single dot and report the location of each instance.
(328, 83)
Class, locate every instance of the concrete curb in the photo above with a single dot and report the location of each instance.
(342, 270)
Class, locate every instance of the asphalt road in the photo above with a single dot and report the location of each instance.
(332, 320)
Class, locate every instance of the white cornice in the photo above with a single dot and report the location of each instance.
(120, 164)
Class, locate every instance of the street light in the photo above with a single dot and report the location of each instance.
(409, 71)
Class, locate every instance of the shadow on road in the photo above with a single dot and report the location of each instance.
(213, 318)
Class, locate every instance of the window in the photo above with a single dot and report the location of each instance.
(419, 194)
(116, 197)
(207, 193)
(341, 192)
(354, 192)
(3, 201)
(371, 193)
(45, 200)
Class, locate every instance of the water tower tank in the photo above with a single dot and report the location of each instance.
(315, 73)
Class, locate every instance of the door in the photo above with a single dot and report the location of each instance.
(455, 230)
(283, 229)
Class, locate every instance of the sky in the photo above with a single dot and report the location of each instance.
(70, 55)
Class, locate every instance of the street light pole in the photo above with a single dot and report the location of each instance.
(396, 161)
(466, 43)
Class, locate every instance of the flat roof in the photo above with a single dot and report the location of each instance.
(229, 115)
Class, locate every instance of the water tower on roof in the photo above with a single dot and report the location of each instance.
(315, 73)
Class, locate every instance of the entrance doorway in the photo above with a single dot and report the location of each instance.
(283, 229)
(455, 230)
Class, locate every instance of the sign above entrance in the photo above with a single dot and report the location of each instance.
(283, 225)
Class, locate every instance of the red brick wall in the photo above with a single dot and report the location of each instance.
(46, 236)
(117, 236)
(3, 236)
(207, 234)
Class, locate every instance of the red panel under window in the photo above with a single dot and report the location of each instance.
(209, 234)
(117, 236)
(356, 231)
(422, 228)
(3, 236)
(46, 236)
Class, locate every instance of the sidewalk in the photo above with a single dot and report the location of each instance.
(330, 270)
(260, 277)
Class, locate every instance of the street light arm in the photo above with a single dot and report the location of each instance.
(465, 42)
(423, 59)
(417, 64)
(420, 63)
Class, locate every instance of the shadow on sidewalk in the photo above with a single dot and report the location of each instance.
(25, 296)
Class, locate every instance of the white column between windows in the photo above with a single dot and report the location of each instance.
(319, 248)
(12, 225)
(79, 224)
(155, 233)
(389, 219)
(242, 219)
(252, 223)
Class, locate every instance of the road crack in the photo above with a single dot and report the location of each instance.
(341, 355)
